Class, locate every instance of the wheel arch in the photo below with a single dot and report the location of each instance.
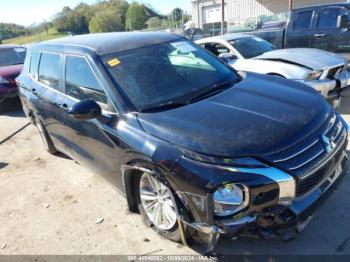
(276, 74)
(134, 167)
(129, 171)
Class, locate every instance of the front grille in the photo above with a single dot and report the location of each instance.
(305, 185)
(334, 71)
(307, 158)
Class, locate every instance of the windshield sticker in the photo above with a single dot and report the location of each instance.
(19, 49)
(183, 47)
(113, 62)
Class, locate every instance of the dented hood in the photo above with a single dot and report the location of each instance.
(313, 59)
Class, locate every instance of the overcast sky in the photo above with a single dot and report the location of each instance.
(27, 12)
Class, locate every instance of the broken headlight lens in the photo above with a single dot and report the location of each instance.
(314, 75)
(230, 199)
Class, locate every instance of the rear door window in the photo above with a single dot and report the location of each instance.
(303, 20)
(49, 69)
(328, 17)
(81, 82)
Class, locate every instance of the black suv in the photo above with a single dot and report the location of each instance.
(192, 144)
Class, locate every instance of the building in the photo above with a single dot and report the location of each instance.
(206, 14)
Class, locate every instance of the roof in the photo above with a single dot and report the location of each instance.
(227, 37)
(9, 46)
(328, 4)
(106, 43)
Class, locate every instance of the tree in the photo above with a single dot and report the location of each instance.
(120, 6)
(44, 26)
(106, 21)
(11, 30)
(135, 17)
(71, 20)
(154, 23)
(177, 17)
(177, 14)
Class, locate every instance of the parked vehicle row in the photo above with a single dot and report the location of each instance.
(323, 27)
(322, 70)
(11, 62)
(190, 143)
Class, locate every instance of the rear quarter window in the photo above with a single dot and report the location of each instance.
(49, 69)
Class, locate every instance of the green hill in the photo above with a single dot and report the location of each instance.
(43, 36)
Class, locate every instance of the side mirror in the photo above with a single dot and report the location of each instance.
(343, 21)
(227, 57)
(85, 110)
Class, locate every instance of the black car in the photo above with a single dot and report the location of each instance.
(323, 26)
(191, 144)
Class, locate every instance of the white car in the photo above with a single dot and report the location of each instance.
(324, 71)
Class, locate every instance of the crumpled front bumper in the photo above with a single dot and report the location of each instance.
(331, 89)
(285, 222)
(282, 221)
(322, 86)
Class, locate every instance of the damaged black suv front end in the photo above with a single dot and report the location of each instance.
(273, 196)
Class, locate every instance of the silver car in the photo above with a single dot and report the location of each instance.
(324, 71)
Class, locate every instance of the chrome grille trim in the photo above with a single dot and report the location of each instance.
(298, 153)
(309, 158)
(308, 154)
(325, 161)
(307, 161)
(343, 157)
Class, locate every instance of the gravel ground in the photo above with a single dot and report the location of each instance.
(51, 205)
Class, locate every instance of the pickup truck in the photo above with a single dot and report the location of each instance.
(324, 27)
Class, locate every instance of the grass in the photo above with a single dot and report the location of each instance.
(43, 36)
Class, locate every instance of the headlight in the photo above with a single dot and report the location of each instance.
(343, 122)
(234, 162)
(230, 199)
(314, 75)
(3, 80)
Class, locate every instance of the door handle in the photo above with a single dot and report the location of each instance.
(320, 35)
(34, 91)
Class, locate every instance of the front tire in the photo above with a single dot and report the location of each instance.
(157, 206)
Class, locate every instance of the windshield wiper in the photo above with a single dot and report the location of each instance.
(165, 106)
(213, 90)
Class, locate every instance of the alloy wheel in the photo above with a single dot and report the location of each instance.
(157, 201)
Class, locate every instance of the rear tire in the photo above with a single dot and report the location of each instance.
(156, 204)
(48, 144)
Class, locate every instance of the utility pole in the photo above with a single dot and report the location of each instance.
(290, 5)
(222, 16)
